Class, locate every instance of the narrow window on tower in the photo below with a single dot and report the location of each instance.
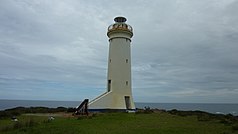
(127, 83)
(126, 60)
(110, 60)
(109, 85)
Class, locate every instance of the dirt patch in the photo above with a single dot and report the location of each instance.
(50, 114)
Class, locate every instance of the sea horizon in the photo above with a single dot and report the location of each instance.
(134, 101)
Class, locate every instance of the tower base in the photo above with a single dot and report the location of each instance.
(110, 101)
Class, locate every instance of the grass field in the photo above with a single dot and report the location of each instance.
(115, 123)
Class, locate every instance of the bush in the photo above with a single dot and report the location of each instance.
(235, 127)
(21, 110)
(4, 114)
(30, 123)
(17, 125)
(204, 117)
(225, 121)
(71, 110)
(8, 114)
(5, 128)
(147, 110)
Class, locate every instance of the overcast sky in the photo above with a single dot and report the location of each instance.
(182, 50)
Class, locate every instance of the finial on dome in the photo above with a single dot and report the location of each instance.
(120, 19)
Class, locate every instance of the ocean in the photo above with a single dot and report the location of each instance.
(218, 108)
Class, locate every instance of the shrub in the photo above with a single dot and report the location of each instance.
(5, 128)
(226, 121)
(71, 110)
(94, 115)
(147, 110)
(17, 125)
(30, 123)
(204, 117)
(235, 127)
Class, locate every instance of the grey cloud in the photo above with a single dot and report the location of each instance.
(181, 50)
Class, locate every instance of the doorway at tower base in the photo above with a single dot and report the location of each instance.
(112, 102)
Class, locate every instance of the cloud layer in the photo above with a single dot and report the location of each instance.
(182, 51)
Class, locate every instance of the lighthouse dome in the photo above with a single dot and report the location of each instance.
(120, 26)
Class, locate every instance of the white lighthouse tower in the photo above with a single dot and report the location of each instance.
(118, 95)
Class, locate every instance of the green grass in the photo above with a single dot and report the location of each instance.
(117, 123)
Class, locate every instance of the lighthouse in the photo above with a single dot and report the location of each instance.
(118, 95)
